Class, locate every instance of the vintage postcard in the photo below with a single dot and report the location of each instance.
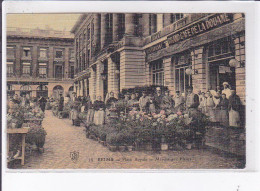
(109, 90)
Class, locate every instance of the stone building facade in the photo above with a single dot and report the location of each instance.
(116, 51)
(39, 62)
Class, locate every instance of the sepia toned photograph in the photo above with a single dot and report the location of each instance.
(109, 90)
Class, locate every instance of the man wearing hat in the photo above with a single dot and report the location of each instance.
(144, 102)
(158, 99)
(178, 101)
(226, 90)
(167, 102)
(192, 101)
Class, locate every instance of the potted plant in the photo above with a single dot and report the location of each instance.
(112, 143)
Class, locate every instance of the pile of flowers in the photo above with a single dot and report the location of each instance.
(141, 128)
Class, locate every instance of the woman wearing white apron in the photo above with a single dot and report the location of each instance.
(99, 116)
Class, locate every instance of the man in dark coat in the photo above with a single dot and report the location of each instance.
(158, 97)
(42, 103)
(192, 102)
(234, 108)
(61, 103)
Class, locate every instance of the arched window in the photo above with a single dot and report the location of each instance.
(42, 90)
(25, 89)
(57, 90)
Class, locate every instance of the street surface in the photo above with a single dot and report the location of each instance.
(62, 139)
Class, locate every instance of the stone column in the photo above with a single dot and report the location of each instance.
(199, 78)
(240, 70)
(115, 27)
(17, 63)
(66, 64)
(92, 84)
(167, 19)
(51, 60)
(145, 24)
(97, 31)
(132, 69)
(113, 78)
(99, 81)
(81, 87)
(34, 61)
(169, 74)
(129, 24)
(103, 31)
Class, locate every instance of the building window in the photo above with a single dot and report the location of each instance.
(43, 53)
(219, 54)
(72, 72)
(152, 23)
(176, 17)
(121, 27)
(26, 69)
(182, 80)
(84, 61)
(26, 52)
(92, 30)
(10, 69)
(42, 70)
(109, 28)
(10, 52)
(58, 54)
(157, 73)
(221, 49)
(138, 27)
(72, 54)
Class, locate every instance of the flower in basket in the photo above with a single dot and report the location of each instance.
(179, 113)
(163, 116)
(154, 124)
(186, 115)
(162, 112)
(172, 117)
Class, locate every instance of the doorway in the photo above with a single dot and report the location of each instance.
(220, 72)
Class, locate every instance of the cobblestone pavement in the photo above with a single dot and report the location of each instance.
(63, 138)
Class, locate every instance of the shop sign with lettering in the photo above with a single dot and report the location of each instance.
(198, 28)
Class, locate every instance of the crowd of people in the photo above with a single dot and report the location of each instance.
(221, 106)
(25, 101)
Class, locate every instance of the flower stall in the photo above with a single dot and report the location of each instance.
(24, 130)
(142, 131)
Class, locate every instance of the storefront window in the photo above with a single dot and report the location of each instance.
(157, 73)
(219, 54)
(182, 80)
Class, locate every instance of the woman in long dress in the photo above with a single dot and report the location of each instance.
(99, 107)
(90, 112)
(234, 109)
(223, 110)
(210, 105)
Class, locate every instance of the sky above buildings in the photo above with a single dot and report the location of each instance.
(42, 21)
